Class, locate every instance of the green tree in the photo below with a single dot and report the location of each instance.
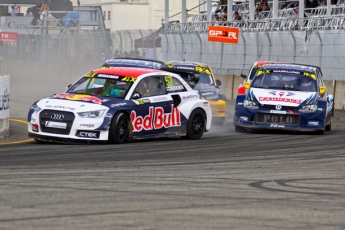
(3, 10)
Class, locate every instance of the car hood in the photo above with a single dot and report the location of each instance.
(282, 97)
(79, 102)
(209, 92)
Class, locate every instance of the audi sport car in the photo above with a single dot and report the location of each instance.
(198, 75)
(285, 96)
(119, 104)
(253, 70)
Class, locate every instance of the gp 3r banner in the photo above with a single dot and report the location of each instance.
(223, 34)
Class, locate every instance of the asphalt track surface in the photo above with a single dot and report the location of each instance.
(226, 180)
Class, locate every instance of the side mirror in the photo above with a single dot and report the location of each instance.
(246, 85)
(136, 95)
(243, 76)
(322, 90)
(219, 83)
(67, 87)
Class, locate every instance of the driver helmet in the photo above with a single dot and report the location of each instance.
(143, 88)
(117, 91)
(305, 81)
(193, 79)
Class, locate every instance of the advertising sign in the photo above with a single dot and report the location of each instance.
(223, 34)
(8, 36)
(4, 96)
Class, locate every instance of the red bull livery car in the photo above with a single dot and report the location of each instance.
(119, 104)
(285, 96)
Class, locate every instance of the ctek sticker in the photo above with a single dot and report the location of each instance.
(156, 119)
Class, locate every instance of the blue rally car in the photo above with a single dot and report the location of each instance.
(285, 96)
(119, 104)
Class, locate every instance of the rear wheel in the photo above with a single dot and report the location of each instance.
(119, 129)
(196, 125)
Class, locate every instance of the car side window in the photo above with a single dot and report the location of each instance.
(151, 86)
(319, 78)
(173, 84)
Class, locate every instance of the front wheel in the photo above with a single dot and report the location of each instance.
(119, 129)
(196, 125)
(329, 127)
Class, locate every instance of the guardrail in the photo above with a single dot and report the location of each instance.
(4, 105)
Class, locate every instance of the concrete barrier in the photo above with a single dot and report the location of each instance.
(4, 106)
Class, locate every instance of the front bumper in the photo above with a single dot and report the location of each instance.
(218, 109)
(248, 118)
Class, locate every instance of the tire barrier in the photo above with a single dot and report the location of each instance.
(4, 106)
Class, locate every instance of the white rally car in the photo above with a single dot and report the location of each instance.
(120, 104)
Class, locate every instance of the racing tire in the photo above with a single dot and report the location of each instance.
(239, 129)
(320, 132)
(119, 129)
(196, 125)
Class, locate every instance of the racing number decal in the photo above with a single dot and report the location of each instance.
(263, 72)
(91, 74)
(128, 79)
(202, 70)
(309, 75)
(168, 81)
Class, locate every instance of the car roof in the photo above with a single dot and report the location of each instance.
(128, 71)
(183, 63)
(265, 62)
(134, 62)
(292, 66)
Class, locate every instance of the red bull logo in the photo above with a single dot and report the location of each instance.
(80, 97)
(156, 119)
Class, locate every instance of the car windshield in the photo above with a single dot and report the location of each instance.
(98, 86)
(254, 70)
(284, 81)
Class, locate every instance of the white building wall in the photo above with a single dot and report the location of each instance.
(139, 14)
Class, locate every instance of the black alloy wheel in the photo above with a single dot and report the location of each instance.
(119, 129)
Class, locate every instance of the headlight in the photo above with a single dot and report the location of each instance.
(308, 109)
(250, 104)
(91, 114)
(35, 108)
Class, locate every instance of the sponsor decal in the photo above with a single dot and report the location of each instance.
(108, 76)
(88, 134)
(156, 119)
(57, 125)
(87, 125)
(59, 107)
(9, 36)
(80, 97)
(281, 93)
(223, 34)
(277, 111)
(278, 119)
(277, 126)
(129, 79)
(185, 67)
(162, 98)
(217, 107)
(118, 104)
(174, 88)
(190, 96)
(309, 75)
(315, 123)
(202, 69)
(209, 93)
(281, 99)
(212, 97)
(244, 118)
(5, 101)
(285, 71)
